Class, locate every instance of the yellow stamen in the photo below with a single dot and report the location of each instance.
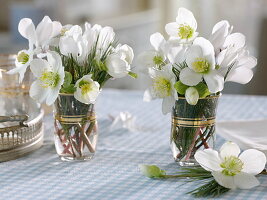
(49, 79)
(162, 87)
(231, 165)
(85, 86)
(23, 58)
(185, 31)
(201, 65)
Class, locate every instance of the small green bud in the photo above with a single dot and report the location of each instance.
(152, 171)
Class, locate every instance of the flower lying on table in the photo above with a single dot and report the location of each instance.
(219, 172)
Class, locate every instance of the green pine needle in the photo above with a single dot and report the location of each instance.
(210, 189)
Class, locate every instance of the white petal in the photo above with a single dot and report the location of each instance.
(172, 29)
(38, 66)
(167, 104)
(78, 95)
(21, 70)
(189, 77)
(191, 95)
(68, 45)
(237, 40)
(240, 75)
(177, 54)
(221, 25)
(215, 81)
(226, 57)
(87, 26)
(56, 28)
(206, 46)
(44, 31)
(54, 60)
(229, 149)
(106, 36)
(128, 53)
(157, 40)
(97, 28)
(247, 61)
(37, 92)
(74, 31)
(145, 59)
(209, 159)
(193, 52)
(245, 181)
(225, 181)
(219, 33)
(27, 29)
(254, 161)
(117, 67)
(186, 17)
(52, 96)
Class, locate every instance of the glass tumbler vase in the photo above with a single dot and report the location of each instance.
(76, 129)
(193, 128)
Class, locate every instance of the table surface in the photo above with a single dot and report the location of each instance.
(114, 173)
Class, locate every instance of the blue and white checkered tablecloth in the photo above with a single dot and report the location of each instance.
(113, 173)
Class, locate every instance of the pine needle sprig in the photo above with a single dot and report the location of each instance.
(210, 189)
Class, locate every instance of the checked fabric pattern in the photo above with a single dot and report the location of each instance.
(113, 173)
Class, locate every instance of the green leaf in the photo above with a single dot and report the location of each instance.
(133, 75)
(70, 89)
(202, 89)
(180, 87)
(67, 79)
(152, 171)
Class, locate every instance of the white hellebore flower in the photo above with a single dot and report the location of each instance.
(219, 33)
(201, 64)
(242, 72)
(154, 58)
(38, 38)
(50, 76)
(184, 29)
(73, 43)
(162, 87)
(118, 63)
(230, 169)
(41, 36)
(87, 90)
(22, 62)
(105, 38)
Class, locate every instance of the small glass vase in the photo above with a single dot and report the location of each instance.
(193, 128)
(76, 129)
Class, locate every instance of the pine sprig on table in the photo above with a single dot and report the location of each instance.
(209, 187)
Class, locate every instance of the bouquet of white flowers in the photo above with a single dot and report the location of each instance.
(64, 59)
(71, 66)
(194, 67)
(188, 73)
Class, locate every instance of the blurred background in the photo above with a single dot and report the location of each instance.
(135, 20)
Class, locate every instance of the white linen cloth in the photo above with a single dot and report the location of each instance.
(247, 134)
